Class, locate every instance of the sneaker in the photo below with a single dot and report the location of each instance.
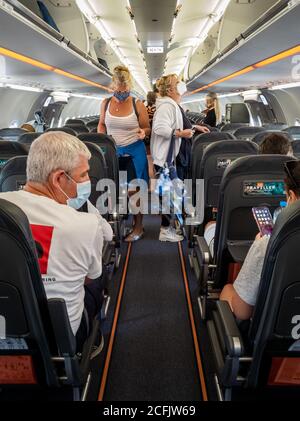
(169, 234)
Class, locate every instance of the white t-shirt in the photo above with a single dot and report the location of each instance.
(71, 243)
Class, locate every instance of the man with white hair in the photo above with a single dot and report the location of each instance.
(69, 243)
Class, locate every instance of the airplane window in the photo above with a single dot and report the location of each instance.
(264, 100)
(47, 102)
(14, 124)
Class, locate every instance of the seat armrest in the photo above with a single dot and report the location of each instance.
(203, 248)
(232, 336)
(65, 338)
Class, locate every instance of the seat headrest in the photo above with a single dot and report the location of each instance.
(62, 129)
(213, 136)
(75, 121)
(12, 148)
(78, 128)
(15, 166)
(96, 138)
(251, 131)
(260, 164)
(232, 126)
(225, 147)
(12, 133)
(290, 130)
(28, 138)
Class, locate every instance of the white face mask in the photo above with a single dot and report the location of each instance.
(181, 88)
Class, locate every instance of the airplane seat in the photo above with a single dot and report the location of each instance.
(296, 148)
(9, 149)
(11, 133)
(27, 138)
(75, 121)
(108, 147)
(13, 174)
(250, 181)
(232, 127)
(92, 124)
(78, 128)
(40, 341)
(275, 126)
(62, 129)
(293, 131)
(264, 364)
(247, 133)
(216, 158)
(200, 142)
(259, 137)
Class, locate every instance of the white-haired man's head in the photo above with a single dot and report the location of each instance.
(56, 162)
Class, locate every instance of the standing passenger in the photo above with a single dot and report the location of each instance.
(127, 121)
(213, 111)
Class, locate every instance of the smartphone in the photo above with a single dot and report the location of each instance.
(264, 220)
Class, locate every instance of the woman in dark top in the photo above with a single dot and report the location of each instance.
(212, 112)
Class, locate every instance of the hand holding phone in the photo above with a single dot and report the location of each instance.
(264, 220)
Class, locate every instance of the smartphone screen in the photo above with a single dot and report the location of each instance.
(264, 220)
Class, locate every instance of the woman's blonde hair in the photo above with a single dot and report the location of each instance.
(216, 105)
(164, 84)
(121, 77)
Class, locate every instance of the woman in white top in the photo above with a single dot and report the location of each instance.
(167, 119)
(127, 121)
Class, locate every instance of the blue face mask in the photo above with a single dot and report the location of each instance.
(83, 194)
(122, 95)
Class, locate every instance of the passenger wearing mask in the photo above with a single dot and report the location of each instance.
(273, 144)
(242, 295)
(213, 111)
(69, 243)
(127, 121)
(168, 119)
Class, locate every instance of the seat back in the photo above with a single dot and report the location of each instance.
(63, 129)
(247, 133)
(9, 149)
(92, 124)
(293, 131)
(249, 182)
(75, 121)
(98, 170)
(232, 127)
(216, 158)
(11, 133)
(109, 149)
(23, 306)
(275, 327)
(78, 128)
(296, 148)
(199, 144)
(13, 174)
(27, 138)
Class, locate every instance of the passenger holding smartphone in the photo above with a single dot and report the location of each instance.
(242, 295)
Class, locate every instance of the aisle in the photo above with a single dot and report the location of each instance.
(153, 355)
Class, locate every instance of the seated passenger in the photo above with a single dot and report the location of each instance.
(242, 295)
(69, 243)
(276, 144)
(273, 144)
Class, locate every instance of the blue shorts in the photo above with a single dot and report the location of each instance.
(137, 151)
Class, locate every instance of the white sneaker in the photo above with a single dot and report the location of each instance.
(169, 234)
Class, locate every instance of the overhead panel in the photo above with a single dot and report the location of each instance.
(154, 20)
